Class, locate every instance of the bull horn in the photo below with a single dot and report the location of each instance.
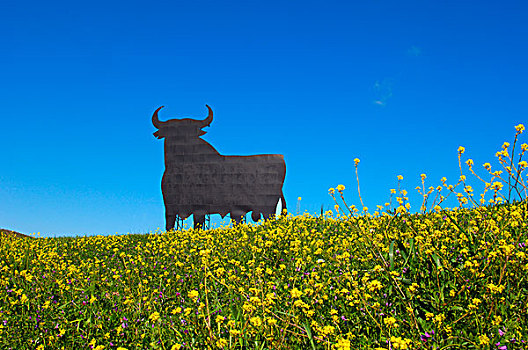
(155, 120)
(207, 121)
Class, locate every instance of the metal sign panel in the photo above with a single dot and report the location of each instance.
(200, 181)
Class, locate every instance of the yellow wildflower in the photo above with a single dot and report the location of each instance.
(484, 339)
(496, 320)
(295, 293)
(256, 321)
(342, 344)
(222, 343)
(497, 186)
(328, 330)
(155, 316)
(390, 321)
(399, 343)
(193, 294)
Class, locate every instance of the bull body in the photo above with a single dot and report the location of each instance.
(199, 181)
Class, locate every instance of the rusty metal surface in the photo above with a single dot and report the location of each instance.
(199, 181)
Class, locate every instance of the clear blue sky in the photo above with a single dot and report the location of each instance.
(398, 84)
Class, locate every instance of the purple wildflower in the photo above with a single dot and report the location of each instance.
(503, 347)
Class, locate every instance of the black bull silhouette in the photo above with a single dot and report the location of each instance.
(198, 180)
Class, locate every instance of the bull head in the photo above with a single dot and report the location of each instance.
(182, 128)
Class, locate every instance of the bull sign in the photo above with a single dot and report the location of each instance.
(198, 180)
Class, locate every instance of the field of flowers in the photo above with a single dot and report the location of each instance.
(437, 279)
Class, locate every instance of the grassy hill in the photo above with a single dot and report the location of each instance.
(445, 279)
(13, 233)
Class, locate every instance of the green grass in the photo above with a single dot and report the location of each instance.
(450, 278)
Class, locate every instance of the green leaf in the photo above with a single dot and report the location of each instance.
(436, 260)
(391, 255)
(403, 250)
(309, 332)
(411, 252)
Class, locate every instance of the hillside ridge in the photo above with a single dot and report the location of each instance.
(10, 232)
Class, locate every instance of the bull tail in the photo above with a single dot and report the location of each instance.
(284, 210)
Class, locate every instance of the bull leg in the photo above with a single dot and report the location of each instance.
(199, 221)
(268, 214)
(170, 219)
(237, 216)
